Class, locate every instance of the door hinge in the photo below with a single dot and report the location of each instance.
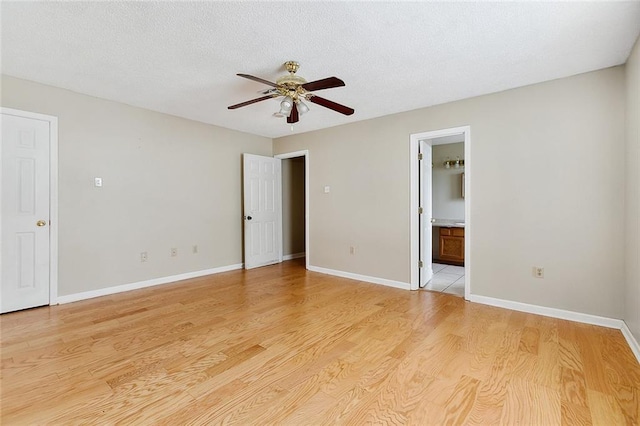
(420, 210)
(420, 264)
(420, 156)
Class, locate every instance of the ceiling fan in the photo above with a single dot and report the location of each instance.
(294, 89)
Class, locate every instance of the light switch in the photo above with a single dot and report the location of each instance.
(327, 189)
(97, 182)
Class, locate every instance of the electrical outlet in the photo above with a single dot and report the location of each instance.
(538, 272)
(174, 252)
(143, 256)
(352, 250)
(194, 249)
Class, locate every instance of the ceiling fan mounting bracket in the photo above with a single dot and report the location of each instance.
(292, 66)
(291, 81)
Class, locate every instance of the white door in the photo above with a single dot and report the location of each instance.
(425, 203)
(262, 210)
(25, 213)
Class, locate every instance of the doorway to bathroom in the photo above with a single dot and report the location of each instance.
(440, 206)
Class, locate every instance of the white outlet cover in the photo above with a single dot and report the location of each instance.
(327, 189)
(97, 182)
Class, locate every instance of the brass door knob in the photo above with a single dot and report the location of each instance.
(41, 223)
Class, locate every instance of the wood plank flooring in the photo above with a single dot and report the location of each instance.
(281, 345)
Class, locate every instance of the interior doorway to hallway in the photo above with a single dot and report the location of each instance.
(295, 205)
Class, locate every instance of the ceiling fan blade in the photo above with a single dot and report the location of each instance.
(252, 101)
(331, 105)
(258, 79)
(268, 91)
(325, 83)
(293, 116)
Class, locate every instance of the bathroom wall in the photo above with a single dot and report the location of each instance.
(447, 184)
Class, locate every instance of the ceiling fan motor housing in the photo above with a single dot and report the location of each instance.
(292, 81)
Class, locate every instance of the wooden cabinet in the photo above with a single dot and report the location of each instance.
(452, 244)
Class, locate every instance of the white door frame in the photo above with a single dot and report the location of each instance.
(53, 195)
(414, 201)
(305, 154)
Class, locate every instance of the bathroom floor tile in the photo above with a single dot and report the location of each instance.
(447, 279)
(442, 278)
(458, 291)
(449, 269)
(460, 282)
(436, 286)
(437, 267)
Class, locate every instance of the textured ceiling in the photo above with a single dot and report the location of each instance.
(181, 57)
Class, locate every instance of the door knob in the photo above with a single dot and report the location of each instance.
(41, 223)
(249, 218)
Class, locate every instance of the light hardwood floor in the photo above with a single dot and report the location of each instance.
(281, 345)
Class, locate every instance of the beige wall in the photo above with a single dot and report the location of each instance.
(168, 182)
(293, 206)
(547, 190)
(447, 184)
(632, 206)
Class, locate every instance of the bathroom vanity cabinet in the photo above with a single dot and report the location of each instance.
(452, 244)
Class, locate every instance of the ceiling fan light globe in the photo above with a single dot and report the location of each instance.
(285, 108)
(286, 105)
(302, 107)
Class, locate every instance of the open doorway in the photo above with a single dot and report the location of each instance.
(440, 206)
(445, 194)
(295, 206)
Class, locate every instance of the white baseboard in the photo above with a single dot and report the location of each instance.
(374, 280)
(566, 315)
(293, 256)
(549, 312)
(631, 340)
(143, 284)
(501, 303)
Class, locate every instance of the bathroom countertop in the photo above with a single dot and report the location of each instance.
(448, 223)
